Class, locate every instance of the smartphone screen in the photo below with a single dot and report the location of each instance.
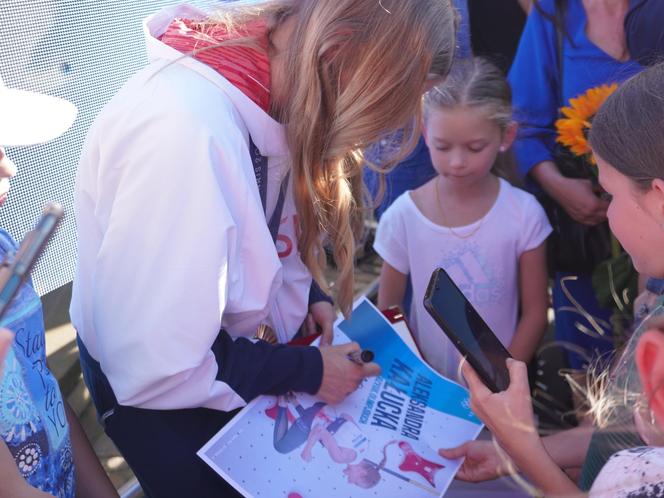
(467, 330)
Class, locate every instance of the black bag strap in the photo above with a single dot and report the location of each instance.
(260, 171)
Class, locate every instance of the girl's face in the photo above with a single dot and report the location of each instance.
(7, 170)
(464, 142)
(636, 218)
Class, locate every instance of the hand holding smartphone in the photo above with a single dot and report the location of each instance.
(15, 268)
(469, 333)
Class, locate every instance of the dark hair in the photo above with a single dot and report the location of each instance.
(628, 131)
(478, 83)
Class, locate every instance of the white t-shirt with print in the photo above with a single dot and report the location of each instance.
(634, 473)
(484, 265)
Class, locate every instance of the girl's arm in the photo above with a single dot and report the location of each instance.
(569, 448)
(534, 301)
(391, 287)
(91, 478)
(484, 461)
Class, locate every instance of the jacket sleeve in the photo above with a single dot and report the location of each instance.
(534, 81)
(643, 29)
(169, 263)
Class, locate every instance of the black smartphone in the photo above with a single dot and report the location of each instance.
(15, 268)
(467, 330)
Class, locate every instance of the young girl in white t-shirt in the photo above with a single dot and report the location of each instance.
(487, 234)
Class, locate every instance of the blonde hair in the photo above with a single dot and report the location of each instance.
(612, 391)
(477, 83)
(355, 71)
(473, 82)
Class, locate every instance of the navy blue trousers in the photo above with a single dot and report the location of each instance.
(159, 445)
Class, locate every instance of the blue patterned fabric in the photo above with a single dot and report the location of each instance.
(33, 423)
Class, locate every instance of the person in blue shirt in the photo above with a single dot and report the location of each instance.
(41, 440)
(592, 55)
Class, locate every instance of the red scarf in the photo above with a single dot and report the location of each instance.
(246, 67)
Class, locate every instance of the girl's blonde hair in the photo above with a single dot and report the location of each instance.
(356, 70)
(612, 391)
(477, 83)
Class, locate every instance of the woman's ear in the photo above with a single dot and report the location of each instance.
(650, 363)
(658, 191)
(509, 135)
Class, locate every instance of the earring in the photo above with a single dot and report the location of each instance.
(502, 149)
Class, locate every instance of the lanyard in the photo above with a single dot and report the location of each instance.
(260, 171)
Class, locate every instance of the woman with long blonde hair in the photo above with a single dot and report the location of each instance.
(206, 190)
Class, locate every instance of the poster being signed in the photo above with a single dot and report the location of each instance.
(381, 441)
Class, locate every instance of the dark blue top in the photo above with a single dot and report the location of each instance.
(412, 172)
(535, 80)
(644, 28)
(463, 48)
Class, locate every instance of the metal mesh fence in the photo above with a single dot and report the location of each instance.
(82, 50)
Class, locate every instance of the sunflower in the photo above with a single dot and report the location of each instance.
(574, 127)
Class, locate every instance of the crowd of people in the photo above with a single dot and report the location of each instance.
(269, 118)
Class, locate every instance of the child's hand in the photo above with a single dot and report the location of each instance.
(507, 414)
(6, 338)
(483, 461)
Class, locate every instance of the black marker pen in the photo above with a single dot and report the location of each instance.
(361, 357)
